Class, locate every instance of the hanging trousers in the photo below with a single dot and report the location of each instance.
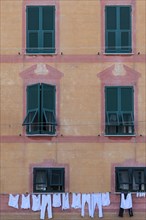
(121, 211)
(46, 203)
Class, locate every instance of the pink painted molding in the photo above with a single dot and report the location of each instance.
(68, 58)
(21, 138)
(119, 76)
(52, 74)
(129, 75)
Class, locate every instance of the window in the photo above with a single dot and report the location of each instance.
(130, 179)
(40, 117)
(118, 29)
(119, 110)
(40, 26)
(48, 180)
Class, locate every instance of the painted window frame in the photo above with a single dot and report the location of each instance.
(40, 32)
(130, 183)
(117, 31)
(119, 74)
(115, 123)
(42, 73)
(130, 3)
(49, 184)
(27, 3)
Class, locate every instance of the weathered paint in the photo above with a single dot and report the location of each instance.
(80, 70)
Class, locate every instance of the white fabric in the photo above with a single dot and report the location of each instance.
(25, 203)
(96, 200)
(76, 200)
(126, 203)
(46, 203)
(65, 201)
(36, 203)
(140, 194)
(13, 201)
(143, 194)
(56, 200)
(86, 198)
(105, 199)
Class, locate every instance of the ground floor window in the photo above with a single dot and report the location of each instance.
(48, 179)
(131, 179)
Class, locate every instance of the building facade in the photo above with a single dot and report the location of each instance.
(73, 105)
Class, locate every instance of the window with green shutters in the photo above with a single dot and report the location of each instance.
(48, 179)
(40, 29)
(40, 118)
(130, 179)
(119, 110)
(118, 29)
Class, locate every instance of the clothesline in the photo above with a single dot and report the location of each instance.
(48, 201)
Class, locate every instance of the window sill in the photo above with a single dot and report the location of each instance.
(122, 191)
(119, 135)
(40, 54)
(41, 135)
(118, 54)
(48, 192)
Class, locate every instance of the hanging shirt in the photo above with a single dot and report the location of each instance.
(65, 201)
(126, 202)
(56, 200)
(13, 201)
(105, 199)
(36, 205)
(25, 203)
(76, 200)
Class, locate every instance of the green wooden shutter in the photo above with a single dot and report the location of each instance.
(48, 29)
(126, 98)
(56, 179)
(118, 29)
(110, 28)
(111, 99)
(40, 180)
(48, 114)
(127, 105)
(112, 111)
(32, 119)
(33, 33)
(41, 29)
(139, 176)
(125, 29)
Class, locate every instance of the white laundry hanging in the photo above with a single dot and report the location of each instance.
(25, 203)
(65, 201)
(96, 199)
(76, 200)
(105, 198)
(36, 203)
(86, 198)
(46, 203)
(13, 201)
(56, 200)
(126, 203)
